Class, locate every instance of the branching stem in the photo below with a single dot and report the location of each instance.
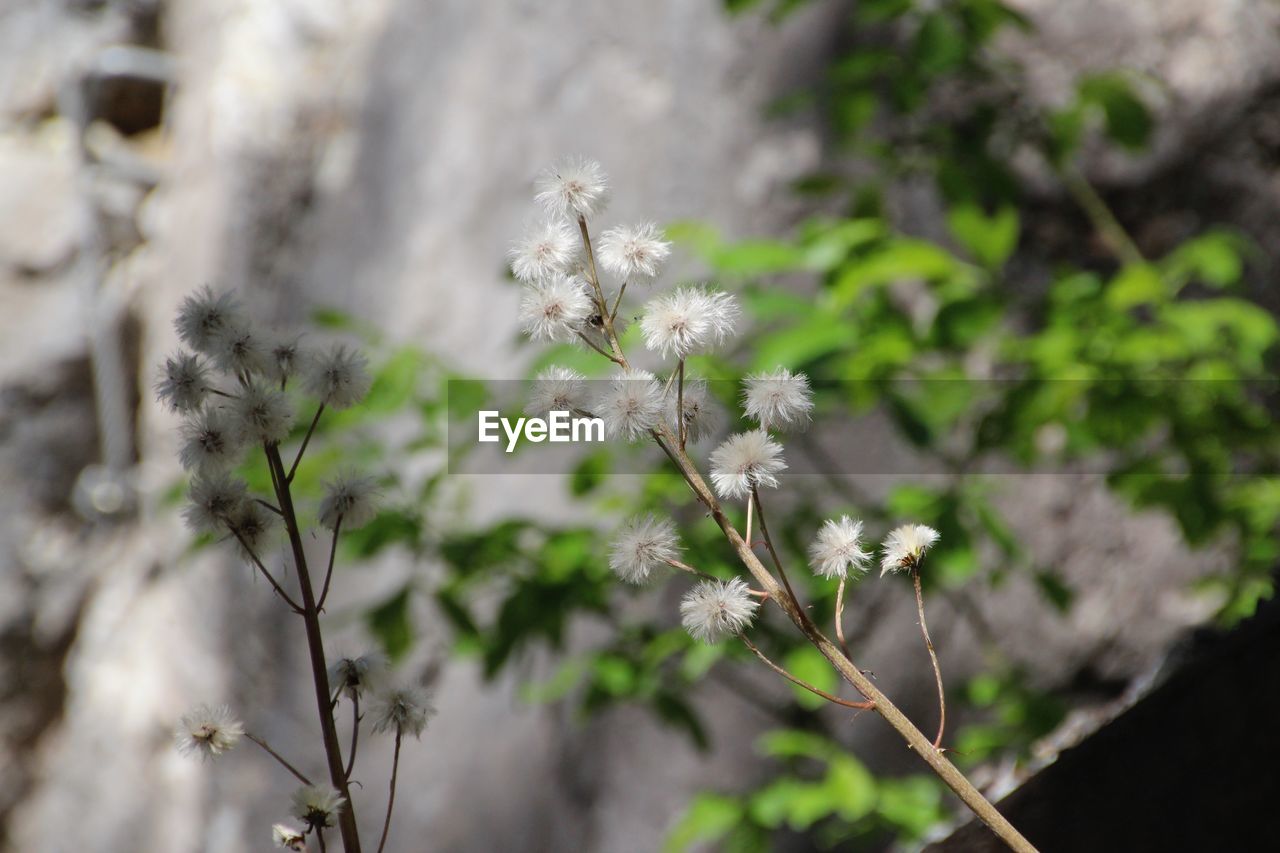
(933, 657)
(297, 774)
(391, 798)
(293, 469)
(861, 706)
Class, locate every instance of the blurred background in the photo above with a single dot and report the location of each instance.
(1027, 246)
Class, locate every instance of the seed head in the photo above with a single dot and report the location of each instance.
(641, 545)
(208, 731)
(746, 461)
(778, 399)
(837, 549)
(713, 610)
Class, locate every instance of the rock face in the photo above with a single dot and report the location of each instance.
(377, 156)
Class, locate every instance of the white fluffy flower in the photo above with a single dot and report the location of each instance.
(287, 837)
(554, 309)
(905, 547)
(353, 676)
(713, 610)
(405, 709)
(701, 415)
(214, 497)
(573, 187)
(556, 389)
(641, 545)
(746, 461)
(285, 357)
(688, 320)
(251, 525)
(631, 405)
(317, 805)
(837, 549)
(185, 382)
(778, 399)
(549, 248)
(350, 497)
(210, 441)
(208, 731)
(238, 349)
(338, 377)
(261, 414)
(203, 316)
(633, 253)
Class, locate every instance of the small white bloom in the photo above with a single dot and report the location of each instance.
(631, 405)
(251, 525)
(317, 805)
(338, 377)
(641, 545)
(837, 549)
(573, 187)
(701, 415)
(713, 610)
(556, 389)
(214, 498)
(351, 498)
(554, 309)
(905, 547)
(185, 382)
(633, 253)
(406, 709)
(548, 249)
(688, 320)
(353, 676)
(288, 838)
(238, 349)
(778, 399)
(203, 316)
(210, 441)
(261, 414)
(208, 731)
(285, 357)
(746, 461)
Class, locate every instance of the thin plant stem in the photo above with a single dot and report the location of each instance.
(297, 774)
(861, 706)
(605, 317)
(268, 505)
(596, 347)
(391, 798)
(685, 567)
(266, 574)
(293, 469)
(750, 511)
(328, 573)
(613, 315)
(355, 733)
(844, 647)
(768, 544)
(320, 838)
(680, 404)
(933, 657)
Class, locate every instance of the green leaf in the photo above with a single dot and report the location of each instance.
(808, 664)
(990, 240)
(709, 818)
(898, 260)
(1136, 284)
(390, 623)
(1127, 120)
(804, 342)
(794, 743)
(852, 788)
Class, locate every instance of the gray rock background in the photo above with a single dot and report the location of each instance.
(377, 156)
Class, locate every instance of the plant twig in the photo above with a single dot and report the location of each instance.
(613, 315)
(328, 574)
(844, 647)
(933, 656)
(680, 404)
(768, 544)
(297, 774)
(293, 469)
(355, 733)
(605, 317)
(595, 347)
(817, 691)
(391, 798)
(266, 574)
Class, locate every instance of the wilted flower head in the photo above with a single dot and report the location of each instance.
(905, 547)
(631, 405)
(261, 414)
(250, 525)
(404, 709)
(573, 187)
(214, 498)
(185, 382)
(554, 309)
(549, 248)
(317, 805)
(713, 610)
(555, 389)
(778, 399)
(701, 415)
(203, 316)
(351, 498)
(285, 357)
(837, 549)
(746, 461)
(633, 253)
(339, 377)
(208, 731)
(353, 676)
(211, 441)
(238, 349)
(688, 320)
(641, 545)
(288, 838)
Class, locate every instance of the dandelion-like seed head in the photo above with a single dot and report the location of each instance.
(554, 309)
(354, 676)
(688, 320)
(261, 414)
(238, 349)
(573, 187)
(631, 405)
(713, 610)
(548, 249)
(208, 731)
(746, 461)
(350, 497)
(837, 549)
(285, 357)
(338, 377)
(906, 546)
(211, 441)
(701, 415)
(556, 389)
(634, 253)
(184, 383)
(288, 838)
(641, 545)
(215, 497)
(317, 805)
(403, 709)
(203, 316)
(778, 399)
(251, 525)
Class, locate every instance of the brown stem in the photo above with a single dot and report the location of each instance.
(751, 509)
(297, 774)
(680, 404)
(328, 574)
(933, 656)
(844, 647)
(391, 799)
(268, 505)
(613, 315)
(266, 574)
(595, 347)
(355, 734)
(293, 469)
(861, 706)
(605, 317)
(768, 543)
